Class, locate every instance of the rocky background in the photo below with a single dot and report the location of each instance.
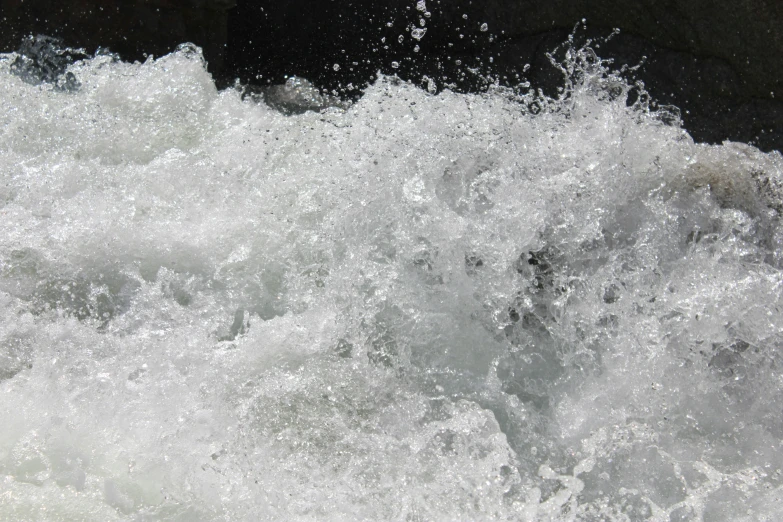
(719, 61)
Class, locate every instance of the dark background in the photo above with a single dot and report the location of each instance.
(720, 61)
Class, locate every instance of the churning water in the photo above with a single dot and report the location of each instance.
(421, 307)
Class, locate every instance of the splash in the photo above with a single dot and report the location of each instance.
(419, 307)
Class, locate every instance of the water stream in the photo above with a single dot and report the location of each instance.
(418, 307)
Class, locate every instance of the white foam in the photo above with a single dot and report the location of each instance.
(421, 307)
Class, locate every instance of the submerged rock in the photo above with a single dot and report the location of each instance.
(295, 96)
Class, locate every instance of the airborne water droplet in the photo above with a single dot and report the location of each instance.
(418, 34)
(484, 27)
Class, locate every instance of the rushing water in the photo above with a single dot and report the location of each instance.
(421, 307)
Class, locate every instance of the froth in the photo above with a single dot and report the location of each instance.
(493, 306)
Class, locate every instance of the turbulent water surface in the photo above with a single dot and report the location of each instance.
(419, 307)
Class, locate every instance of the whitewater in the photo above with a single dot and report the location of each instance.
(494, 306)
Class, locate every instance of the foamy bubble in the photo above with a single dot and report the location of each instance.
(447, 307)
